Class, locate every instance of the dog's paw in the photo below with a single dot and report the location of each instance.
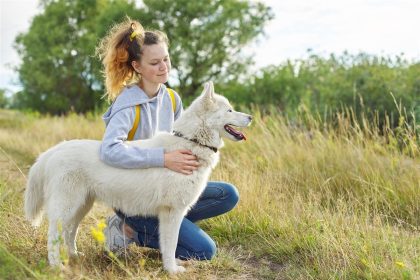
(176, 269)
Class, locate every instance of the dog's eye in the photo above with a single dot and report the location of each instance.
(230, 110)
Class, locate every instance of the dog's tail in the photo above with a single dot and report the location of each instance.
(34, 193)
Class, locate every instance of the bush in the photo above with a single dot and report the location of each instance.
(373, 87)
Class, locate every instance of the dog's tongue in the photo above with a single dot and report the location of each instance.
(239, 135)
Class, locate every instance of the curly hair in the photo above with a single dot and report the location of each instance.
(122, 45)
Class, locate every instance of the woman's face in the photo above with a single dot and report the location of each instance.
(155, 64)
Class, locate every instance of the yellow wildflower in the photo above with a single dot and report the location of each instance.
(142, 262)
(101, 225)
(98, 232)
(98, 235)
(400, 264)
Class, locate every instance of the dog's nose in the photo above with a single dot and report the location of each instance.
(250, 118)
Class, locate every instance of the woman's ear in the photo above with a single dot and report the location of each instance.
(136, 66)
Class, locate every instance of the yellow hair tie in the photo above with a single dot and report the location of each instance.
(133, 35)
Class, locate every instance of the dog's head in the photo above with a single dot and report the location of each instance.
(217, 114)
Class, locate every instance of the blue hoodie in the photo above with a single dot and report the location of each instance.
(156, 115)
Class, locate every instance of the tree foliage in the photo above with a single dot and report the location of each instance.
(57, 63)
(59, 72)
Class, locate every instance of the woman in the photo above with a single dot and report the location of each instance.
(137, 65)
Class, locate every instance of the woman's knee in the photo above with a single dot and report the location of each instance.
(206, 251)
(231, 195)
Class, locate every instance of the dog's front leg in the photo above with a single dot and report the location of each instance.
(169, 224)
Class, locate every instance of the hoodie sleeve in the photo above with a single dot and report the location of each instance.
(115, 152)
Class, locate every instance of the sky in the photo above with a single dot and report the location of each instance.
(379, 27)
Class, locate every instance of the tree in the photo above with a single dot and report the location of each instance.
(58, 70)
(57, 58)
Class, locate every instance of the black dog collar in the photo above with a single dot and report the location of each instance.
(179, 134)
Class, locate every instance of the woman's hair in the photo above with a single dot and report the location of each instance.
(122, 45)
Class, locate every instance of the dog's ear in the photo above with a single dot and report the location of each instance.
(211, 89)
(206, 87)
(207, 97)
(208, 92)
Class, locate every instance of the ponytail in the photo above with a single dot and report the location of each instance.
(117, 50)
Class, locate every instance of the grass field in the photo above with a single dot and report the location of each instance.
(315, 203)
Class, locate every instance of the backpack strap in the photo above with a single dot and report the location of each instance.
(135, 125)
(172, 95)
(133, 130)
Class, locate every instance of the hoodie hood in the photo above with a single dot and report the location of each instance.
(130, 96)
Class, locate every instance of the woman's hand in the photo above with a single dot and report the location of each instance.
(182, 161)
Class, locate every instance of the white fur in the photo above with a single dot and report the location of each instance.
(69, 177)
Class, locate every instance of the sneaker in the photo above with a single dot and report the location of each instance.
(116, 240)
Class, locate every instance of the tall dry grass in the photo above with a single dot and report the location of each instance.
(317, 201)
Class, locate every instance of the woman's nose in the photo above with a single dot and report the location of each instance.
(163, 66)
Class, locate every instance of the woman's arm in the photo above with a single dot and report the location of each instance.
(116, 153)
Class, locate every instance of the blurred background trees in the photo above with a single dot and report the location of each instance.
(371, 86)
(59, 72)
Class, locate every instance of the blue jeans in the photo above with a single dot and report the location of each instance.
(193, 243)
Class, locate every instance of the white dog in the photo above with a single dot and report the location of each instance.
(69, 177)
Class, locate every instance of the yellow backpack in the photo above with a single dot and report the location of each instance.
(137, 119)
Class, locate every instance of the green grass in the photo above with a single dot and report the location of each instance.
(316, 202)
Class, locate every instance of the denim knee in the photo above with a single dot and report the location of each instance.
(231, 196)
(206, 251)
